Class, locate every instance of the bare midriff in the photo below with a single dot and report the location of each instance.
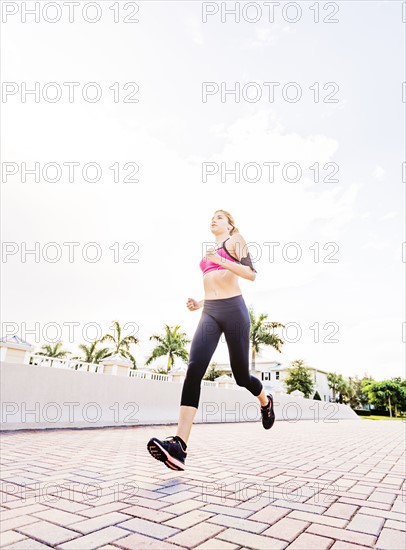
(219, 284)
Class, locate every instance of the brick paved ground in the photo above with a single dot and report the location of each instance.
(303, 485)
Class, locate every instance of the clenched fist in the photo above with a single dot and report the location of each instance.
(192, 304)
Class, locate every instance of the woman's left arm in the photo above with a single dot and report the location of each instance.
(245, 268)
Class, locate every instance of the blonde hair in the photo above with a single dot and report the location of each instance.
(230, 221)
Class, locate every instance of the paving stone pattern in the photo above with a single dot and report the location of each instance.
(301, 485)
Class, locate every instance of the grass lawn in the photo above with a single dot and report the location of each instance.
(382, 418)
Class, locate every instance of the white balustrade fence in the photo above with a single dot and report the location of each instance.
(83, 366)
(74, 364)
(149, 375)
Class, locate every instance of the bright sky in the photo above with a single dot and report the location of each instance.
(169, 133)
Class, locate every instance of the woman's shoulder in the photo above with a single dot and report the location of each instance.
(237, 244)
(236, 239)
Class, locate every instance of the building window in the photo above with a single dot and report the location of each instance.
(266, 376)
(277, 375)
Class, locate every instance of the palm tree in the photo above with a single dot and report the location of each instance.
(54, 350)
(353, 396)
(91, 354)
(172, 344)
(121, 345)
(347, 392)
(261, 333)
(337, 384)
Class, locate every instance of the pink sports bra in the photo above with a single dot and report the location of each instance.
(207, 265)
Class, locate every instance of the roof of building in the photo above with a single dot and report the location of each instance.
(117, 358)
(14, 339)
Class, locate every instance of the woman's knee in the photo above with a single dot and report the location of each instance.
(194, 373)
(243, 381)
(252, 384)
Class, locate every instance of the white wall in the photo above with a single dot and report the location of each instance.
(322, 386)
(65, 398)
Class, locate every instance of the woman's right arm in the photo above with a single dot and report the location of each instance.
(193, 304)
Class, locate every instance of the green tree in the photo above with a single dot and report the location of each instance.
(317, 396)
(171, 344)
(352, 398)
(213, 372)
(359, 397)
(54, 350)
(121, 344)
(346, 392)
(299, 378)
(400, 401)
(91, 354)
(355, 395)
(262, 333)
(387, 393)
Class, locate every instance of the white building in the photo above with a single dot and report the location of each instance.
(272, 375)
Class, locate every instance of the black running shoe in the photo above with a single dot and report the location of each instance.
(169, 451)
(267, 412)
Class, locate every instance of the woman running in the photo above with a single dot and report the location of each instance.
(224, 311)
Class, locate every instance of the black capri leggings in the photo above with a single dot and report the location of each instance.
(228, 315)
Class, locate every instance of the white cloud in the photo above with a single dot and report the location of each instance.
(264, 37)
(389, 216)
(375, 245)
(194, 28)
(378, 172)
